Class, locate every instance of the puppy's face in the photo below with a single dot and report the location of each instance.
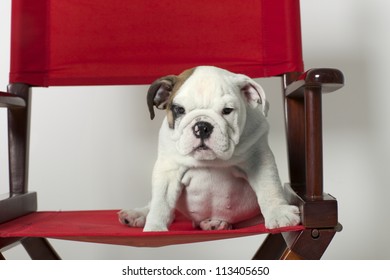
(206, 110)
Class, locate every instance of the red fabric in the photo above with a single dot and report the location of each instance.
(100, 42)
(103, 227)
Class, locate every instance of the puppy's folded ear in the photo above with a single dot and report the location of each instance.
(253, 93)
(159, 93)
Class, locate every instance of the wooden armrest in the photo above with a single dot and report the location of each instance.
(11, 101)
(304, 126)
(328, 79)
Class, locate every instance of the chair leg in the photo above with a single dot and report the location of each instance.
(39, 249)
(308, 244)
(18, 134)
(1, 257)
(272, 248)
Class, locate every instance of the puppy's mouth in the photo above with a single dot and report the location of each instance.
(202, 147)
(203, 152)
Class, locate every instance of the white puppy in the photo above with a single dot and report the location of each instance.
(214, 163)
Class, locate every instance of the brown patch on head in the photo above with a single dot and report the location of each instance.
(171, 121)
(162, 92)
(180, 81)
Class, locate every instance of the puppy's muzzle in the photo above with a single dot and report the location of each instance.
(202, 130)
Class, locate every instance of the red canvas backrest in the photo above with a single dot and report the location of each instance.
(100, 42)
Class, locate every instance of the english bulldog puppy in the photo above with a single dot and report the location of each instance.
(214, 164)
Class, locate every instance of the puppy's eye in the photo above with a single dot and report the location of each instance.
(179, 110)
(227, 111)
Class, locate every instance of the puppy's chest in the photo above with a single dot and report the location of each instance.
(222, 193)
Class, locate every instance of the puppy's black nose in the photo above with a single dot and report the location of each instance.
(202, 130)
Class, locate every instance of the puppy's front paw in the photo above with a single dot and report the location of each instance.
(282, 216)
(132, 218)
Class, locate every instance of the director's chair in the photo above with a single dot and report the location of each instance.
(118, 42)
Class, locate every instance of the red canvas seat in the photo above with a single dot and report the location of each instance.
(102, 226)
(66, 43)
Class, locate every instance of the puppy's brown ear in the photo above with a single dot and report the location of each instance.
(159, 93)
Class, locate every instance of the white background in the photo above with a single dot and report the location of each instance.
(94, 148)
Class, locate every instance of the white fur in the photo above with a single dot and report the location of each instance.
(229, 182)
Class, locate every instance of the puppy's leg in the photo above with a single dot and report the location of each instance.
(275, 209)
(264, 179)
(166, 189)
(134, 217)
